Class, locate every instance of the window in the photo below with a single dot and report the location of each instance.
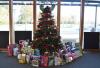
(89, 18)
(23, 19)
(4, 16)
(23, 15)
(70, 22)
(98, 20)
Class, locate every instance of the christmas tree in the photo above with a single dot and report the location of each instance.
(46, 37)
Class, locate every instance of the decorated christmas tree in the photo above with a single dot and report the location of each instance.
(46, 37)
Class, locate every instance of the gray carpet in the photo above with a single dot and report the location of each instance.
(11, 62)
(88, 60)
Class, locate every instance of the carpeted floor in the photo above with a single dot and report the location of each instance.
(88, 60)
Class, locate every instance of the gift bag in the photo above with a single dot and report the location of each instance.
(15, 51)
(58, 60)
(21, 45)
(44, 61)
(22, 58)
(27, 58)
(10, 50)
(37, 52)
(35, 61)
(51, 61)
(19, 56)
(21, 61)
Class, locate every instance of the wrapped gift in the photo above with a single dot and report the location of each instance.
(51, 61)
(22, 58)
(15, 51)
(35, 61)
(44, 61)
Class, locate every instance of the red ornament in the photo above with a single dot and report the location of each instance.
(46, 46)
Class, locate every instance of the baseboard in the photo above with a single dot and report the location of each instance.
(3, 49)
(91, 49)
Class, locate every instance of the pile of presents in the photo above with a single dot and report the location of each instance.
(26, 54)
